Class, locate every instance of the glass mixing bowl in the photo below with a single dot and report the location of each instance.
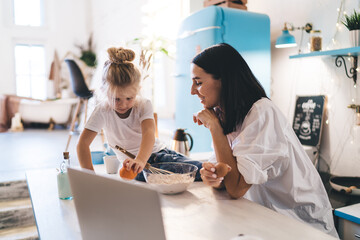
(183, 174)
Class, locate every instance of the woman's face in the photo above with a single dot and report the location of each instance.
(205, 87)
(124, 99)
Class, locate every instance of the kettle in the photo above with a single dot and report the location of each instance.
(180, 143)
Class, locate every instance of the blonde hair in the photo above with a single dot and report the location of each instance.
(119, 71)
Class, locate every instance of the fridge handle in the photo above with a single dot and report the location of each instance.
(186, 34)
(178, 75)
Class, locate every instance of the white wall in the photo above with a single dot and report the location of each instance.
(114, 23)
(340, 146)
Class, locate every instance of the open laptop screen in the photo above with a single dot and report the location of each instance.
(109, 208)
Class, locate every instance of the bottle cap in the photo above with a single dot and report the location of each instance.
(66, 155)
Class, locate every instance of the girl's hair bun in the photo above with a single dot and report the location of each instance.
(120, 55)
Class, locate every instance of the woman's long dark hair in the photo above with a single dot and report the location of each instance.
(239, 87)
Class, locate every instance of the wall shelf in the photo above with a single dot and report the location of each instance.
(353, 52)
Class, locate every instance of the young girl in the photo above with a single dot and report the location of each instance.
(127, 118)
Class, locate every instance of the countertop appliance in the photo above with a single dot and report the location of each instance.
(180, 142)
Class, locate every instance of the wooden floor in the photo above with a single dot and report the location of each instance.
(33, 149)
(41, 148)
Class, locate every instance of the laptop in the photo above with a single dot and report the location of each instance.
(109, 208)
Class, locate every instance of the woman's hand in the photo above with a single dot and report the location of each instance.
(208, 175)
(206, 117)
(133, 164)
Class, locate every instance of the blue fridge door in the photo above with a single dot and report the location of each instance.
(248, 32)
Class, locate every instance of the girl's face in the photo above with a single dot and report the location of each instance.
(205, 87)
(124, 99)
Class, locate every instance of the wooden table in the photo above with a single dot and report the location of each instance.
(199, 213)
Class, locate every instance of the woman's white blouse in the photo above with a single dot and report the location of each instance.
(272, 159)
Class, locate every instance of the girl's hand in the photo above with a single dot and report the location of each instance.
(208, 175)
(207, 117)
(136, 165)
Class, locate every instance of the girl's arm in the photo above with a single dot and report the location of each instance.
(83, 148)
(233, 181)
(146, 147)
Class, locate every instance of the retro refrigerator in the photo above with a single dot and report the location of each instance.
(247, 32)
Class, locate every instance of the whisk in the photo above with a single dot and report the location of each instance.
(152, 169)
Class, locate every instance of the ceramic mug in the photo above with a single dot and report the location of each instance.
(112, 164)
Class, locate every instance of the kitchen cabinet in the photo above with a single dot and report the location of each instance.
(349, 222)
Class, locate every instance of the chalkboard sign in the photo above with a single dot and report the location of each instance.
(308, 119)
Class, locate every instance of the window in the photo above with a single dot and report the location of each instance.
(29, 56)
(158, 35)
(30, 71)
(28, 12)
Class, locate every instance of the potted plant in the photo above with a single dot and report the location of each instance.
(88, 55)
(352, 23)
(88, 59)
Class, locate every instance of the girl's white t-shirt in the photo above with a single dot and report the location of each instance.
(127, 132)
(272, 159)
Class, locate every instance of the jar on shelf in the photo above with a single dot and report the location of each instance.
(315, 40)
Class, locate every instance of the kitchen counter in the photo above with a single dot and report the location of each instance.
(199, 213)
(349, 222)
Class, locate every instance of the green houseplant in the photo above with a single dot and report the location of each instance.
(88, 55)
(88, 59)
(352, 23)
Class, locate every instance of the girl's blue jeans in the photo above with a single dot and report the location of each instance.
(167, 155)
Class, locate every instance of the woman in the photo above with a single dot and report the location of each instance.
(267, 163)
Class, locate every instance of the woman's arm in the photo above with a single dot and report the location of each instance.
(83, 148)
(233, 181)
(146, 147)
